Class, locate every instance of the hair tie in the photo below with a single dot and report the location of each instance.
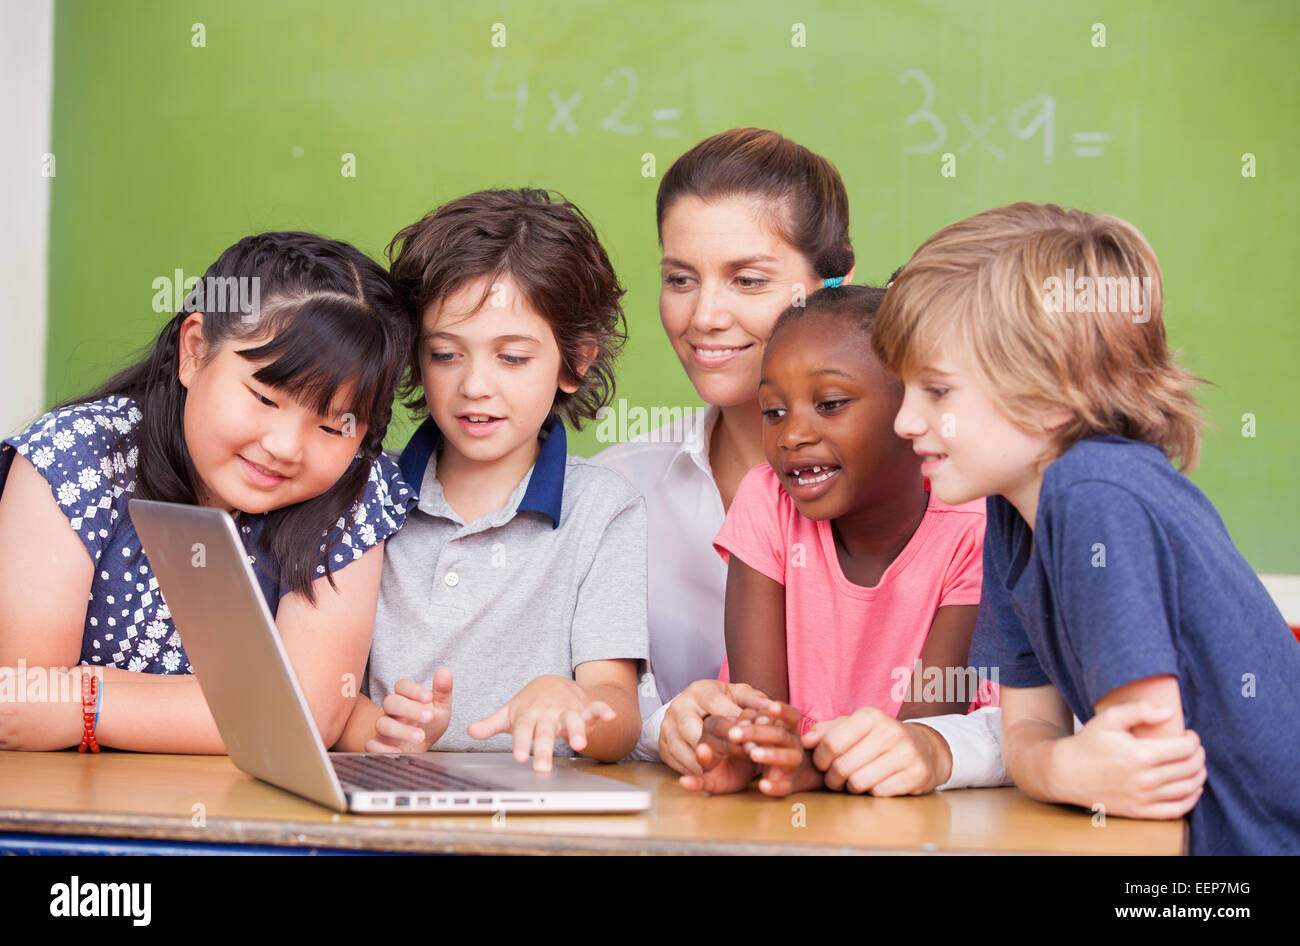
(833, 283)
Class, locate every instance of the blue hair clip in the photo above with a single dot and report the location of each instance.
(833, 283)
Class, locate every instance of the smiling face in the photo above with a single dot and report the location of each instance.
(256, 448)
(828, 411)
(727, 276)
(971, 448)
(490, 373)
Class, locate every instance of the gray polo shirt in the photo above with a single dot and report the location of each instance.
(554, 578)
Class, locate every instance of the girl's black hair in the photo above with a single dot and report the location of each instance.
(856, 305)
(334, 321)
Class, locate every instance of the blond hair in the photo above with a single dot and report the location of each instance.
(1001, 288)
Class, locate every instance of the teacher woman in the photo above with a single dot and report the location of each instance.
(749, 222)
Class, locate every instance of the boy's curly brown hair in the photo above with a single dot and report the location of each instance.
(550, 250)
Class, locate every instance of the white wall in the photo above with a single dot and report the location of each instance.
(1285, 590)
(26, 84)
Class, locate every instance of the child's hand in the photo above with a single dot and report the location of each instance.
(414, 718)
(871, 751)
(1105, 764)
(771, 740)
(683, 723)
(781, 780)
(549, 707)
(725, 767)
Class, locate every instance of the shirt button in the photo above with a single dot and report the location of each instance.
(452, 579)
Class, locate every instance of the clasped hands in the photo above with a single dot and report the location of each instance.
(720, 736)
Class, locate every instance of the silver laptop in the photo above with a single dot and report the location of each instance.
(246, 677)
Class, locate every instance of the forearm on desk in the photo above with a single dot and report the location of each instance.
(1031, 748)
(360, 726)
(162, 714)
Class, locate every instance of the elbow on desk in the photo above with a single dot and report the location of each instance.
(619, 740)
(332, 720)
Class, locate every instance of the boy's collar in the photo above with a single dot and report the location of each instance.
(545, 491)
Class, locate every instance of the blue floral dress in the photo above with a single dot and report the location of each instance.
(88, 453)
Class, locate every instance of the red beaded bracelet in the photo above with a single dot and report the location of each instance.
(89, 699)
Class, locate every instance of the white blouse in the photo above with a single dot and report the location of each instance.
(687, 579)
(687, 586)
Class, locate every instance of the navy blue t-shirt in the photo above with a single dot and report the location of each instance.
(88, 453)
(1130, 573)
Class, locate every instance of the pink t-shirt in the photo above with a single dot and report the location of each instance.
(848, 646)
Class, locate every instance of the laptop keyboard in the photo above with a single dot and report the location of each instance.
(395, 773)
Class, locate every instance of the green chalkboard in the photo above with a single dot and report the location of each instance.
(179, 127)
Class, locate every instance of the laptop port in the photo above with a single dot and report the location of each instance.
(462, 801)
(424, 801)
(484, 801)
(402, 801)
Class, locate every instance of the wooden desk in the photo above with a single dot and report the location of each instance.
(205, 799)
